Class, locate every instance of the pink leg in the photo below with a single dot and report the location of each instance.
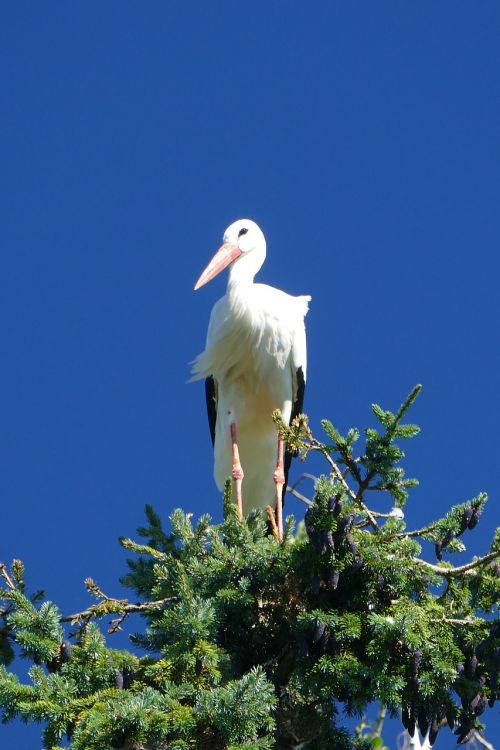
(279, 481)
(237, 471)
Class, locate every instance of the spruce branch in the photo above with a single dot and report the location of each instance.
(458, 519)
(407, 403)
(252, 645)
(141, 548)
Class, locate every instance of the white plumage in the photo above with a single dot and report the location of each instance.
(256, 354)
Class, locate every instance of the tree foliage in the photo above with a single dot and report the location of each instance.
(250, 644)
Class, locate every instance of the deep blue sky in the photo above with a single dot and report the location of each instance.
(363, 138)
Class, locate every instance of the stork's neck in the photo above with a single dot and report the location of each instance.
(242, 271)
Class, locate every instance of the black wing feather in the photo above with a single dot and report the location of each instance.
(211, 397)
(297, 408)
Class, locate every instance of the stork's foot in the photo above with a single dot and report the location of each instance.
(237, 471)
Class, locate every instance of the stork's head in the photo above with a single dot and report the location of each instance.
(244, 246)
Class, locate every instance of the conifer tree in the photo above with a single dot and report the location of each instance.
(244, 643)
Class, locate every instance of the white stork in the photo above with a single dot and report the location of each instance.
(254, 362)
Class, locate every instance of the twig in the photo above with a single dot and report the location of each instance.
(96, 610)
(303, 476)
(315, 445)
(298, 495)
(116, 624)
(455, 621)
(356, 496)
(359, 500)
(6, 576)
(416, 532)
(380, 721)
(461, 569)
(272, 521)
(295, 492)
(484, 743)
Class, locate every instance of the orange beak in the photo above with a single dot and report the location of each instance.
(222, 258)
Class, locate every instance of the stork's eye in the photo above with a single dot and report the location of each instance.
(242, 231)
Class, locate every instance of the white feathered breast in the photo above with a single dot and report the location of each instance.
(253, 330)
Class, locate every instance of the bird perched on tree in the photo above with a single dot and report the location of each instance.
(254, 362)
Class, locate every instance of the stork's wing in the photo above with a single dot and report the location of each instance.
(299, 365)
(211, 397)
(297, 407)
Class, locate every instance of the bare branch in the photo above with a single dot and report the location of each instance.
(380, 721)
(317, 446)
(113, 606)
(298, 495)
(461, 569)
(116, 624)
(455, 621)
(417, 532)
(359, 500)
(303, 476)
(356, 496)
(481, 741)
